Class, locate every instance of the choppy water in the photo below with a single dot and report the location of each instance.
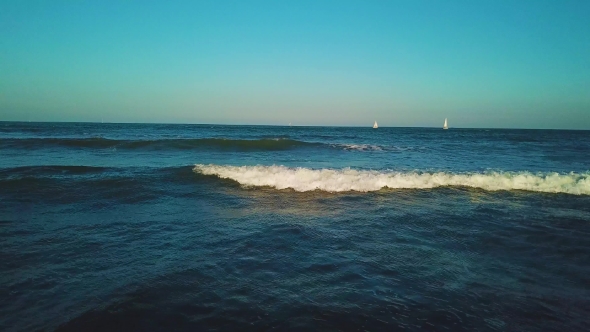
(130, 227)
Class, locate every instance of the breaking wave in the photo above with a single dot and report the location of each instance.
(338, 180)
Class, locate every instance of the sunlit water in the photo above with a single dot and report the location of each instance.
(108, 227)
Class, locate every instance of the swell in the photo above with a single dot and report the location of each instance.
(88, 187)
(50, 170)
(263, 144)
(29, 180)
(16, 177)
(339, 180)
(159, 144)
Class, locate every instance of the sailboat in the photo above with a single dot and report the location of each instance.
(445, 126)
(375, 126)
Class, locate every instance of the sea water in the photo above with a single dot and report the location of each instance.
(153, 227)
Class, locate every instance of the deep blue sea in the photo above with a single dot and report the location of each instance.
(147, 227)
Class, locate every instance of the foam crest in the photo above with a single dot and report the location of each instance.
(334, 180)
(359, 147)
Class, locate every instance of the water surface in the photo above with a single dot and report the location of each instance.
(140, 227)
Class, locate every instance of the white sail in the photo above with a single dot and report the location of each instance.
(445, 126)
(375, 125)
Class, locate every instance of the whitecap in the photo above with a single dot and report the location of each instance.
(359, 147)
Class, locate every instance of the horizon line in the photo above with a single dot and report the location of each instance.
(282, 125)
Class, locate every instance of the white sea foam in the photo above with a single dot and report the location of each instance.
(333, 180)
(359, 147)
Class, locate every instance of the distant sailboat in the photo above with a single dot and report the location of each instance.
(375, 126)
(445, 126)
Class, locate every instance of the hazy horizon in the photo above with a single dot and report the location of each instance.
(289, 125)
(347, 63)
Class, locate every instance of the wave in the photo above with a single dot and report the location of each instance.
(334, 180)
(222, 144)
(276, 144)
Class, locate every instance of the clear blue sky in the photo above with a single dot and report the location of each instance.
(495, 63)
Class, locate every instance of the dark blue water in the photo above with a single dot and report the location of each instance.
(136, 227)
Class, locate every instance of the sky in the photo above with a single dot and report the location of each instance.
(488, 63)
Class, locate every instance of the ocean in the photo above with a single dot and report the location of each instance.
(161, 227)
